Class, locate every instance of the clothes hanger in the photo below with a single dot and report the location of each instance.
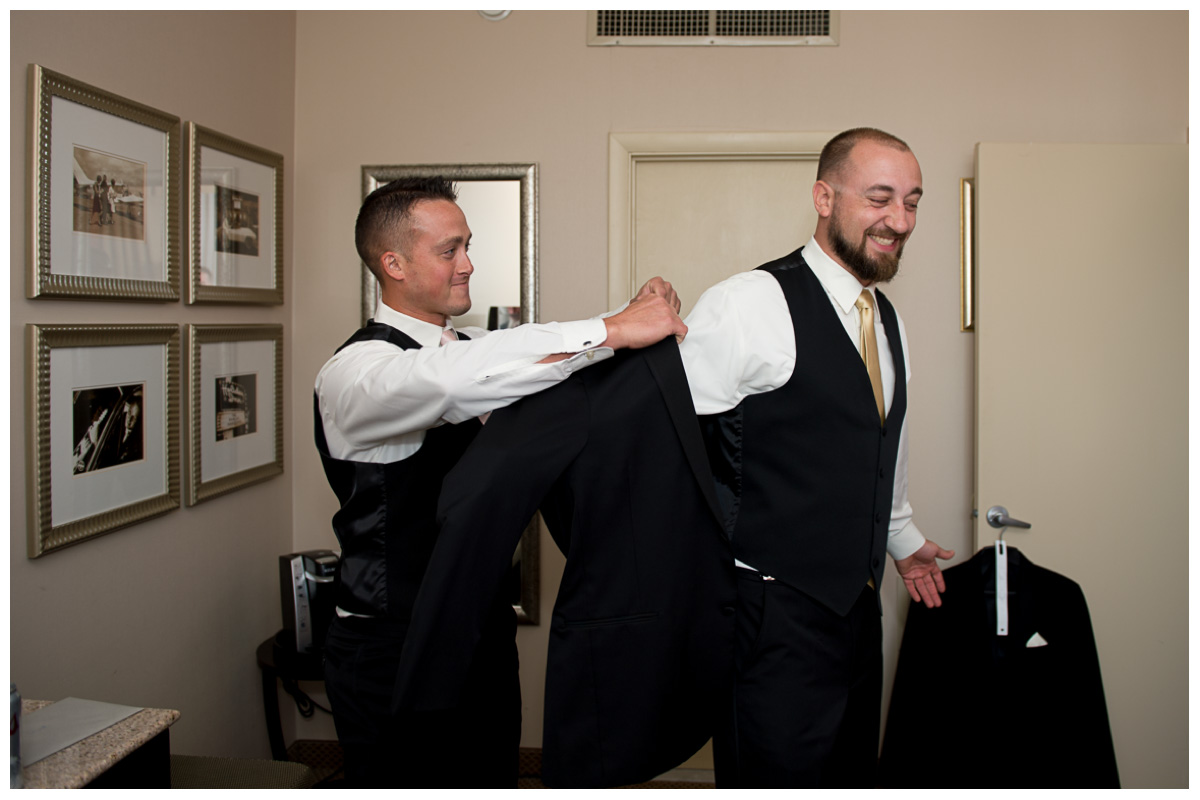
(997, 517)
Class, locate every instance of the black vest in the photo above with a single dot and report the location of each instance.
(805, 472)
(386, 525)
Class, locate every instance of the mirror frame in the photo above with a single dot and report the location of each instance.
(377, 175)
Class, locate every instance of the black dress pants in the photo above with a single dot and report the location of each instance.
(806, 702)
(472, 746)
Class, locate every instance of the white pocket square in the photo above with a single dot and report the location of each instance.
(1036, 641)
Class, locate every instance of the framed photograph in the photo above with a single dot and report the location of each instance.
(103, 429)
(235, 408)
(234, 237)
(103, 194)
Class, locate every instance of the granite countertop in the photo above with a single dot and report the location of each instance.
(84, 761)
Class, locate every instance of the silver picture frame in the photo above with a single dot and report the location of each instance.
(235, 408)
(83, 382)
(92, 154)
(234, 232)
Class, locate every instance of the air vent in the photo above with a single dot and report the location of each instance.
(685, 28)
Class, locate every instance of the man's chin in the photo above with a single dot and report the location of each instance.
(882, 267)
(886, 271)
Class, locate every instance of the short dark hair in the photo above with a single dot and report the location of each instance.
(837, 150)
(384, 214)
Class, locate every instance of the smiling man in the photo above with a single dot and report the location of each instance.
(799, 370)
(395, 408)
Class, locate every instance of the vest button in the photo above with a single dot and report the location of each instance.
(727, 610)
(875, 563)
(878, 518)
(881, 471)
(883, 432)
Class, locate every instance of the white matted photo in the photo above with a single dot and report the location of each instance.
(103, 429)
(235, 407)
(234, 219)
(105, 212)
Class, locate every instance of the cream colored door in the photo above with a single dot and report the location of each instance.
(1082, 408)
(701, 221)
(697, 208)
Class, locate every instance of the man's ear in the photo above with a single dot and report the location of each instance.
(392, 264)
(823, 198)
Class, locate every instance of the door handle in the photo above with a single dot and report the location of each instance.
(997, 517)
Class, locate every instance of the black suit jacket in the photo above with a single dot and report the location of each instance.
(641, 637)
(1013, 715)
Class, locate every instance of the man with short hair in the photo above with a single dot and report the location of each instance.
(802, 367)
(130, 446)
(395, 407)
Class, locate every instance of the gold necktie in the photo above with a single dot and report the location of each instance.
(870, 353)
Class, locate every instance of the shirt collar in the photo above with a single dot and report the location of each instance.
(423, 333)
(839, 284)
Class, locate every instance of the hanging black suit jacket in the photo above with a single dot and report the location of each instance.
(641, 638)
(1014, 714)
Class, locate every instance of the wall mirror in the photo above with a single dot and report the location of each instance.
(500, 203)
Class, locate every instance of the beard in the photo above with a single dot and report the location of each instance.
(866, 265)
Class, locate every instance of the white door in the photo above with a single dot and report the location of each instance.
(1082, 408)
(696, 208)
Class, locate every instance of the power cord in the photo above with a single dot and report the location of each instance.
(304, 704)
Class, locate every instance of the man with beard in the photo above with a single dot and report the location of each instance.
(803, 408)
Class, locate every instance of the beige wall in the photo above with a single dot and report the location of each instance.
(421, 87)
(167, 613)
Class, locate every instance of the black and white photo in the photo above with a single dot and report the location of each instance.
(235, 408)
(237, 222)
(110, 194)
(108, 426)
(103, 420)
(236, 398)
(233, 235)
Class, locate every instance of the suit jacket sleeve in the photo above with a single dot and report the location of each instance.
(485, 504)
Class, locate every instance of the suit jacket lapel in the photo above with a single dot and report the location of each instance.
(667, 367)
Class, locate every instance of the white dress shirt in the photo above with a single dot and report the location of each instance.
(377, 400)
(741, 342)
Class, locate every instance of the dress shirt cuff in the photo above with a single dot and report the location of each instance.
(584, 334)
(904, 542)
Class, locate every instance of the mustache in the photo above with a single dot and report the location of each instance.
(885, 232)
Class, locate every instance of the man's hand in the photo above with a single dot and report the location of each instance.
(661, 288)
(648, 319)
(921, 574)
